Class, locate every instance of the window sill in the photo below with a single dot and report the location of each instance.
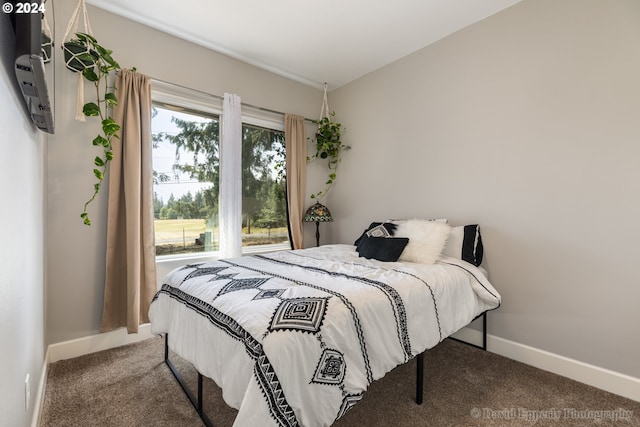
(210, 256)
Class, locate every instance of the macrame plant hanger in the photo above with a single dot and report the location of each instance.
(73, 60)
(47, 40)
(324, 111)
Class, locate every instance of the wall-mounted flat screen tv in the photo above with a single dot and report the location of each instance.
(29, 63)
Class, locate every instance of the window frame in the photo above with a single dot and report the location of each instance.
(179, 96)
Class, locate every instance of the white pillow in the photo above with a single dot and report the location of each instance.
(465, 242)
(426, 240)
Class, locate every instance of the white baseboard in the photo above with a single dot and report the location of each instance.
(91, 344)
(38, 399)
(605, 379)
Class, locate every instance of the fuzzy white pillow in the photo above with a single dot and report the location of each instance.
(426, 240)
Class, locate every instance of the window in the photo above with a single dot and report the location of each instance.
(185, 169)
(186, 161)
(264, 204)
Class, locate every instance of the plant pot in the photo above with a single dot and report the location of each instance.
(75, 57)
(46, 45)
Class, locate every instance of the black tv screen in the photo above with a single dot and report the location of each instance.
(29, 63)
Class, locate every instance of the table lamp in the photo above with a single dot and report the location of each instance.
(317, 213)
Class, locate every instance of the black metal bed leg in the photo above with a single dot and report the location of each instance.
(419, 378)
(196, 402)
(484, 331)
(420, 359)
(166, 349)
(484, 334)
(199, 408)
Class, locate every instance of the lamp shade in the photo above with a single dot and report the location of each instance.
(317, 213)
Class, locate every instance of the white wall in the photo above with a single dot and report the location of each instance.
(76, 252)
(22, 186)
(528, 123)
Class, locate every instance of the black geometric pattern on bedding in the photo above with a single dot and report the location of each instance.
(203, 271)
(242, 284)
(272, 391)
(331, 368)
(348, 402)
(299, 314)
(188, 266)
(269, 293)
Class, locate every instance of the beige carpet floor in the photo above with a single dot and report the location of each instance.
(464, 386)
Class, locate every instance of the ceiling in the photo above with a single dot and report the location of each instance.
(310, 41)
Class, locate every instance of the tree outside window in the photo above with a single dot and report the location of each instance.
(186, 179)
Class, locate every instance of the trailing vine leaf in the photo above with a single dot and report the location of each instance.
(91, 109)
(110, 99)
(100, 140)
(109, 126)
(90, 75)
(85, 55)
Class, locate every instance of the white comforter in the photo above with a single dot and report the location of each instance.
(295, 338)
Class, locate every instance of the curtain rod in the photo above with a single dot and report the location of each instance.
(268, 110)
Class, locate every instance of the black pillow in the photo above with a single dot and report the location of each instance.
(391, 228)
(465, 242)
(387, 249)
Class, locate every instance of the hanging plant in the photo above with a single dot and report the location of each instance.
(328, 146)
(85, 55)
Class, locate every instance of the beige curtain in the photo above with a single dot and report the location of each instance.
(130, 281)
(296, 145)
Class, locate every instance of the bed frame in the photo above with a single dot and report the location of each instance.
(420, 357)
(196, 401)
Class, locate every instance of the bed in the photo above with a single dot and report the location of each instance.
(294, 338)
